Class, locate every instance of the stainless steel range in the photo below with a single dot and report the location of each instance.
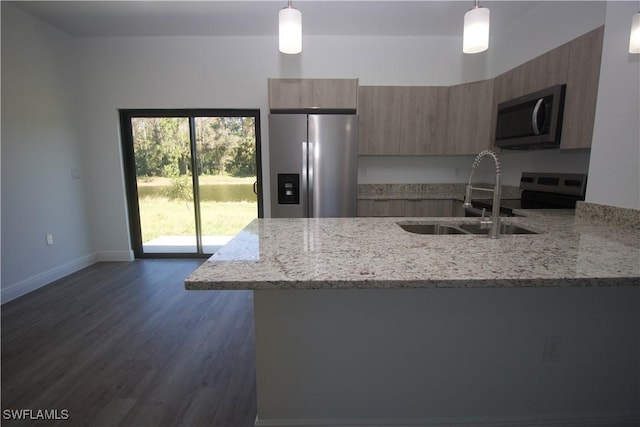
(539, 191)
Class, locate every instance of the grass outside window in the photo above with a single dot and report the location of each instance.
(163, 216)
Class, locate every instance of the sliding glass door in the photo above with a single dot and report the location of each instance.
(193, 178)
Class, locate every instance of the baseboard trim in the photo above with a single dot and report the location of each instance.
(38, 281)
(621, 421)
(23, 287)
(114, 256)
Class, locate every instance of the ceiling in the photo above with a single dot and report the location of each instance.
(258, 18)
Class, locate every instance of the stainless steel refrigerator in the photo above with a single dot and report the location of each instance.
(313, 161)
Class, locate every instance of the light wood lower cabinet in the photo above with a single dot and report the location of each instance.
(428, 207)
(380, 207)
(409, 208)
(457, 208)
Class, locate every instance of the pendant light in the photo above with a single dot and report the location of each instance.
(634, 38)
(476, 30)
(290, 30)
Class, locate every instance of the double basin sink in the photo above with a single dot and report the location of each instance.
(475, 228)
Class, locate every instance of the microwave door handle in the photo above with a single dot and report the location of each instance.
(534, 117)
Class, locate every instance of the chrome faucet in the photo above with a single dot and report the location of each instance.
(494, 223)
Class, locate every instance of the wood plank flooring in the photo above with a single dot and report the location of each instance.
(124, 344)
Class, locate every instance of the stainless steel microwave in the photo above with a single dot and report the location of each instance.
(533, 121)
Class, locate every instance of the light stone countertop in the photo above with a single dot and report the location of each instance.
(340, 253)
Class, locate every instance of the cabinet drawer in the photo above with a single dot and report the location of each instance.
(425, 208)
(381, 207)
(409, 208)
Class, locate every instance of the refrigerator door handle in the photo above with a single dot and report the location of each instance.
(304, 197)
(310, 163)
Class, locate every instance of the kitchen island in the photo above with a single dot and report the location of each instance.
(359, 322)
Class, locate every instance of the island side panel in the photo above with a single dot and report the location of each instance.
(432, 355)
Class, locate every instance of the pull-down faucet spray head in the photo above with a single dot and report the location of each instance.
(476, 162)
(495, 211)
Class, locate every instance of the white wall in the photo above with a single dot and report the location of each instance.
(614, 175)
(40, 146)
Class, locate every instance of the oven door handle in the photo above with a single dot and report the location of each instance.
(534, 117)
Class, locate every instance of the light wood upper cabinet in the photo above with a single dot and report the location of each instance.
(426, 120)
(402, 120)
(377, 125)
(299, 94)
(470, 121)
(546, 70)
(576, 64)
(460, 120)
(582, 89)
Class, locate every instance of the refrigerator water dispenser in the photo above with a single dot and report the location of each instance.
(288, 188)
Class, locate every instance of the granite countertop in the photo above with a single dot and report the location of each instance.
(337, 253)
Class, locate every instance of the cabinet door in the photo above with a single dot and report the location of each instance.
(380, 208)
(457, 208)
(428, 208)
(582, 89)
(402, 120)
(546, 70)
(365, 208)
(470, 121)
(378, 122)
(509, 85)
(291, 94)
(426, 121)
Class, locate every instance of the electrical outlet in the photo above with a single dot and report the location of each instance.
(552, 349)
(49, 239)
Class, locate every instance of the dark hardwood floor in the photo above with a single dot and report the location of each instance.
(124, 344)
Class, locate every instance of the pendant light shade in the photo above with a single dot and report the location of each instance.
(476, 30)
(634, 39)
(290, 30)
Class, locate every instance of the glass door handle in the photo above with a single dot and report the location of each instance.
(255, 187)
